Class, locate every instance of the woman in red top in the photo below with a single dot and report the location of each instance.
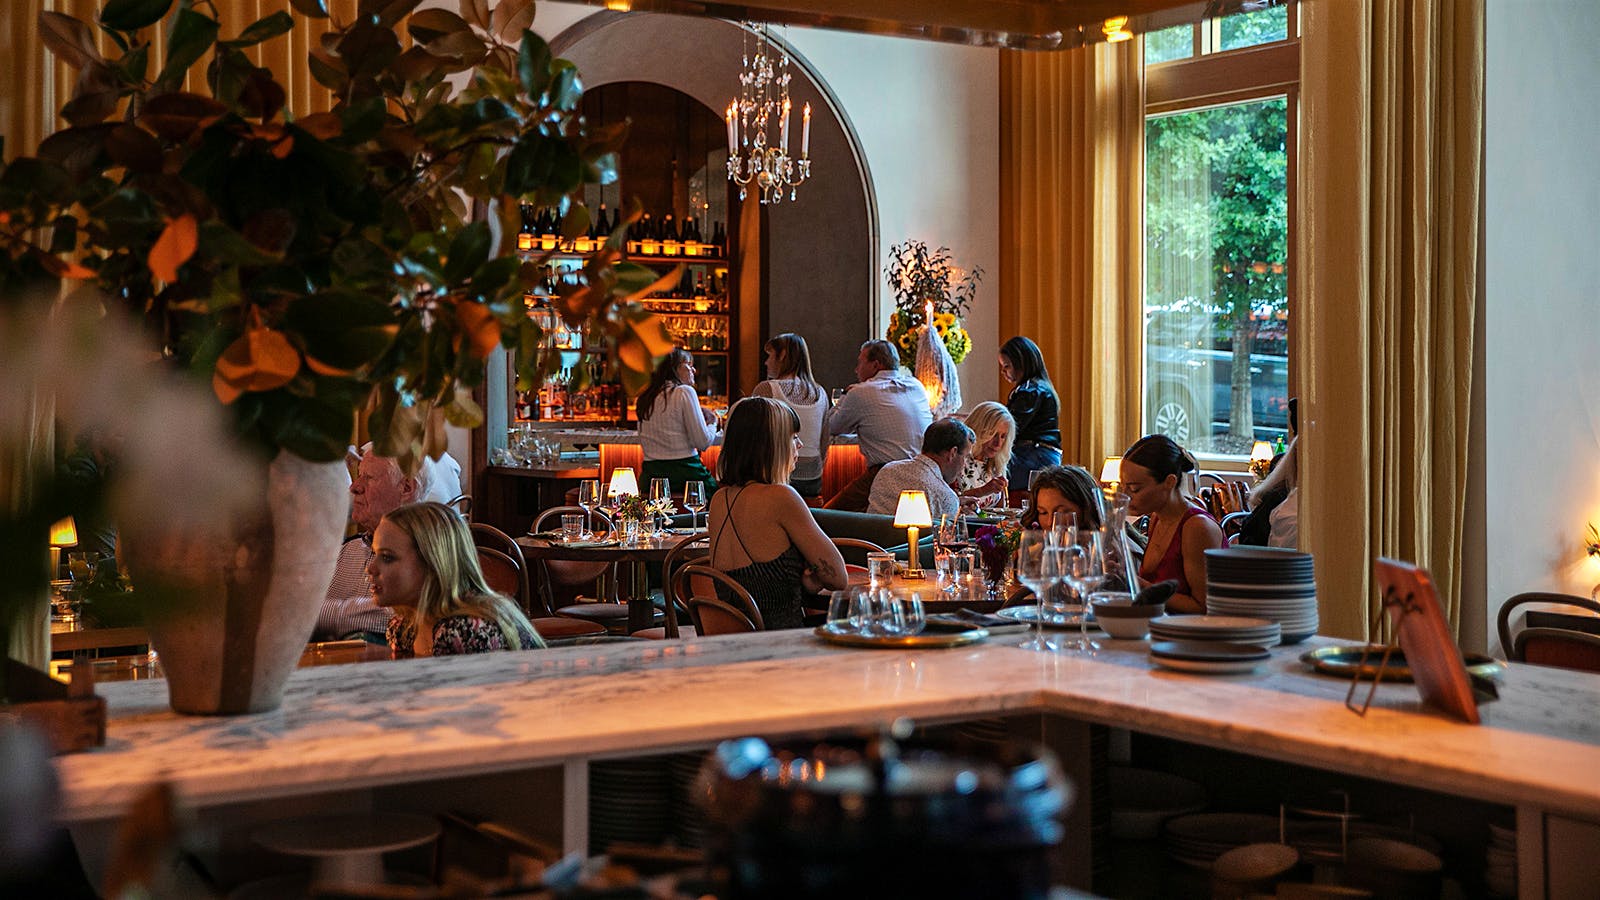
(1180, 532)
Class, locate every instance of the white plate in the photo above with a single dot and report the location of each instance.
(1210, 623)
(1264, 586)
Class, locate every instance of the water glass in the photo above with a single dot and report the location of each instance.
(880, 569)
(912, 618)
(837, 395)
(571, 526)
(1085, 571)
(694, 499)
(885, 617)
(1039, 568)
(847, 610)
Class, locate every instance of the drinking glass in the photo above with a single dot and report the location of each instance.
(660, 502)
(694, 499)
(911, 617)
(1063, 528)
(572, 526)
(836, 395)
(847, 610)
(880, 570)
(1039, 568)
(79, 566)
(885, 617)
(1086, 571)
(589, 499)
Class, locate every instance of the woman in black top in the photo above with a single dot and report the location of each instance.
(1033, 404)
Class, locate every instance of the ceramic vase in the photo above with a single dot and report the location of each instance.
(231, 609)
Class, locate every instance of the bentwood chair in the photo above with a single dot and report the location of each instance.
(712, 615)
(560, 578)
(676, 608)
(507, 576)
(1542, 645)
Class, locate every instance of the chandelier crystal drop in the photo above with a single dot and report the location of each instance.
(758, 124)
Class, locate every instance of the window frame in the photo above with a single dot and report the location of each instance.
(1213, 78)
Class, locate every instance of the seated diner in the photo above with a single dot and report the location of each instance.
(1153, 473)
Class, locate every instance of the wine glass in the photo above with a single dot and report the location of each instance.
(1063, 529)
(589, 499)
(1040, 570)
(694, 499)
(1085, 571)
(836, 395)
(660, 502)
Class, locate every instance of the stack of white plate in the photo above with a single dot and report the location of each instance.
(1267, 582)
(1500, 874)
(1208, 657)
(1258, 632)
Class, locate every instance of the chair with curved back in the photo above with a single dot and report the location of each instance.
(711, 614)
(1232, 524)
(559, 578)
(1566, 648)
(507, 573)
(462, 504)
(676, 609)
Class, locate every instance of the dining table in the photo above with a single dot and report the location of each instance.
(635, 555)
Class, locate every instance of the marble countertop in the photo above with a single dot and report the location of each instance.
(355, 726)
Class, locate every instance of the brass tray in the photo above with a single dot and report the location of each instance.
(927, 640)
(1345, 661)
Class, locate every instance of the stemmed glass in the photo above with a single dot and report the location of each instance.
(694, 500)
(1063, 529)
(1085, 571)
(1039, 567)
(589, 499)
(660, 503)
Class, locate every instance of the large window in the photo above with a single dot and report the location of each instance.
(1219, 167)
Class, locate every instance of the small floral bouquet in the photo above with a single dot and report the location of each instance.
(920, 276)
(635, 508)
(995, 545)
(1592, 542)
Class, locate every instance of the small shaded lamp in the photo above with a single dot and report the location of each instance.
(1111, 474)
(62, 534)
(912, 514)
(1260, 459)
(623, 482)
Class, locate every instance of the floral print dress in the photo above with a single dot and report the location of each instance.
(452, 636)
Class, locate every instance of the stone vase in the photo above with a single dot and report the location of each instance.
(230, 609)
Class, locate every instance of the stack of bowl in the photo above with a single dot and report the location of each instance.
(1264, 582)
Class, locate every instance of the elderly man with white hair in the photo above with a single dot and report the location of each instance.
(378, 488)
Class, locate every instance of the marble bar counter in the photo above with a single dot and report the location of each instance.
(395, 722)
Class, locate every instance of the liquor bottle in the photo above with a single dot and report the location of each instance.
(719, 240)
(602, 225)
(524, 405)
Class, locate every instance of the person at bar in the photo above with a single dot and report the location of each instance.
(1034, 406)
(887, 410)
(762, 534)
(425, 567)
(789, 379)
(673, 427)
(377, 488)
(945, 447)
(983, 476)
(1153, 472)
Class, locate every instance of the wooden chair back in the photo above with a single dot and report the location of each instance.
(462, 504)
(695, 551)
(488, 537)
(505, 576)
(712, 615)
(1564, 648)
(560, 579)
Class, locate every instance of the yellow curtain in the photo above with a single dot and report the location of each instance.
(1390, 163)
(1071, 232)
(39, 84)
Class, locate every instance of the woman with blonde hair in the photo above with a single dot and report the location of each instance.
(425, 566)
(983, 477)
(762, 534)
(789, 379)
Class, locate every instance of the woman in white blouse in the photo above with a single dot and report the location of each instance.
(789, 379)
(984, 475)
(673, 428)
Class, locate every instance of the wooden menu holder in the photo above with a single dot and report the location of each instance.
(1419, 630)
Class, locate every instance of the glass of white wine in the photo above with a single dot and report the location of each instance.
(694, 499)
(588, 498)
(660, 503)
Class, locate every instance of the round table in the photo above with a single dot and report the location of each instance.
(636, 592)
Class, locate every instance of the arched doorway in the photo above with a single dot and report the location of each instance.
(818, 275)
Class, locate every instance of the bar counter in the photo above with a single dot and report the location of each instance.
(395, 722)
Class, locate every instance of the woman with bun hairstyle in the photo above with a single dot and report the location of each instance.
(1153, 471)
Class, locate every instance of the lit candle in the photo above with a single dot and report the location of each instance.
(927, 314)
(783, 128)
(805, 133)
(733, 143)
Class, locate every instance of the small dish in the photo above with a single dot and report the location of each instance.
(929, 640)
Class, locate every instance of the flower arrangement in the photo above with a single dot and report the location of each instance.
(996, 544)
(920, 276)
(635, 508)
(1591, 542)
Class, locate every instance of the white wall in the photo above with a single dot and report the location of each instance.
(927, 115)
(1542, 296)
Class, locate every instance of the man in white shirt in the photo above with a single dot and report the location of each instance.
(945, 447)
(378, 488)
(888, 411)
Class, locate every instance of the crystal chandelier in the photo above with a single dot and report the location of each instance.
(758, 115)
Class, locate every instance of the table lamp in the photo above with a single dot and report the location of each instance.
(1260, 459)
(623, 482)
(912, 514)
(1111, 473)
(62, 534)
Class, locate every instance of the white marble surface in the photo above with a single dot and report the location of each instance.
(394, 722)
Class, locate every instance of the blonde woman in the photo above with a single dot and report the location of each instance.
(425, 566)
(789, 379)
(984, 475)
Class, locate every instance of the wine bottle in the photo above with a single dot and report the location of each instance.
(647, 235)
(602, 225)
(669, 230)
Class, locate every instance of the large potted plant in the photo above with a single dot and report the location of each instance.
(309, 268)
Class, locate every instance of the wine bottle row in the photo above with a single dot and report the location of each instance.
(541, 230)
